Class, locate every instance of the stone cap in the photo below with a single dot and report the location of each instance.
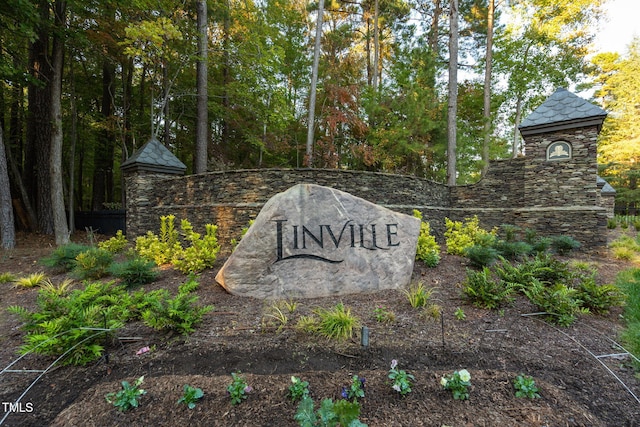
(605, 188)
(154, 157)
(562, 110)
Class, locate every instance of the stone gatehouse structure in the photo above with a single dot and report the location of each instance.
(554, 189)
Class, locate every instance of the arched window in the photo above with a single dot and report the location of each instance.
(559, 150)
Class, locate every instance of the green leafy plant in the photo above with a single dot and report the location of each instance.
(401, 381)
(459, 383)
(461, 235)
(7, 277)
(611, 223)
(564, 244)
(64, 257)
(483, 291)
(115, 244)
(274, 317)
(238, 388)
(480, 255)
(329, 414)
(559, 301)
(202, 251)
(598, 298)
(160, 249)
(61, 289)
(93, 263)
(427, 250)
(298, 389)
(337, 323)
(418, 295)
(134, 272)
(383, 314)
(459, 314)
(190, 396)
(30, 281)
(355, 390)
(127, 398)
(525, 387)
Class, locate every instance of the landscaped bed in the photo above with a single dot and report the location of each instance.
(581, 376)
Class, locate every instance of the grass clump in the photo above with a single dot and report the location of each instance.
(30, 281)
(337, 322)
(418, 295)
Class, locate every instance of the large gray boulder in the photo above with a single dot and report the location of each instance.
(314, 241)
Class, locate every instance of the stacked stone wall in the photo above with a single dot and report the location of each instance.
(230, 199)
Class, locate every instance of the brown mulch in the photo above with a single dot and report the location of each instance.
(577, 388)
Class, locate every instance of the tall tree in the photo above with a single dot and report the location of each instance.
(202, 121)
(486, 105)
(7, 228)
(452, 108)
(618, 90)
(313, 88)
(61, 230)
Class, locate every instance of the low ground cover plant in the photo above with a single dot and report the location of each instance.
(298, 389)
(355, 390)
(190, 396)
(458, 382)
(340, 413)
(525, 386)
(238, 389)
(128, 397)
(401, 381)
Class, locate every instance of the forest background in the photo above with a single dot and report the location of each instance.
(432, 88)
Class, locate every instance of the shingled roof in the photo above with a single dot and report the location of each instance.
(562, 110)
(154, 157)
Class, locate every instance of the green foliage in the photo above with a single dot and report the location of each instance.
(355, 390)
(629, 282)
(115, 244)
(134, 272)
(459, 314)
(427, 250)
(7, 277)
(74, 323)
(337, 323)
(31, 281)
(180, 314)
(93, 263)
(64, 257)
(559, 301)
(61, 289)
(166, 248)
(190, 396)
(401, 381)
(513, 250)
(238, 388)
(418, 295)
(598, 298)
(564, 244)
(274, 317)
(480, 255)
(341, 413)
(459, 383)
(483, 291)
(461, 235)
(127, 398)
(525, 387)
(298, 389)
(383, 314)
(612, 223)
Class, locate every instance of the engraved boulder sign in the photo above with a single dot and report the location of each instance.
(314, 241)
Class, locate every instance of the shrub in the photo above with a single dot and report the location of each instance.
(564, 244)
(598, 298)
(461, 235)
(64, 257)
(483, 291)
(160, 249)
(559, 301)
(513, 250)
(180, 314)
(93, 263)
(337, 323)
(481, 256)
(134, 272)
(115, 244)
(74, 323)
(427, 250)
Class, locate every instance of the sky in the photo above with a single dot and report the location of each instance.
(619, 26)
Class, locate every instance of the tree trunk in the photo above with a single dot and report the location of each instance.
(516, 133)
(452, 109)
(104, 147)
(376, 44)
(314, 82)
(486, 112)
(7, 226)
(202, 121)
(57, 190)
(434, 32)
(36, 172)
